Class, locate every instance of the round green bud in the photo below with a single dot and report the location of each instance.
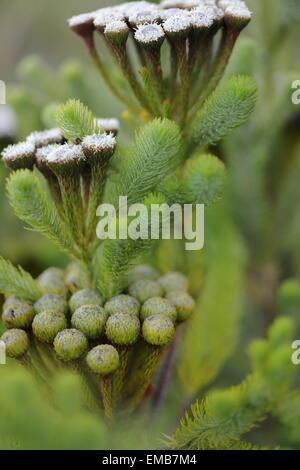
(90, 320)
(123, 328)
(122, 304)
(19, 315)
(158, 306)
(145, 289)
(12, 301)
(70, 344)
(142, 271)
(53, 303)
(46, 325)
(85, 297)
(76, 278)
(16, 342)
(103, 359)
(52, 280)
(174, 281)
(184, 303)
(158, 330)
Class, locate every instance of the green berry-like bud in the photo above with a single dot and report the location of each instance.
(103, 359)
(122, 304)
(142, 271)
(46, 325)
(145, 289)
(16, 342)
(90, 320)
(12, 300)
(52, 280)
(85, 297)
(18, 316)
(184, 303)
(123, 328)
(76, 278)
(70, 344)
(53, 303)
(174, 281)
(158, 306)
(158, 330)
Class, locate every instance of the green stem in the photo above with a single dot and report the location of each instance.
(106, 390)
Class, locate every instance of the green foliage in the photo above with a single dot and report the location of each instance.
(16, 281)
(32, 205)
(154, 154)
(75, 120)
(203, 180)
(226, 109)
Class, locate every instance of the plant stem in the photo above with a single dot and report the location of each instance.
(106, 390)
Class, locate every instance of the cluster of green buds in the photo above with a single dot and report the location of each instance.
(75, 170)
(115, 346)
(176, 45)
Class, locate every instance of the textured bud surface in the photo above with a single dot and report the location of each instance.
(55, 303)
(184, 303)
(90, 320)
(45, 138)
(122, 304)
(16, 342)
(85, 297)
(12, 301)
(99, 143)
(158, 306)
(142, 271)
(53, 281)
(174, 281)
(149, 34)
(19, 315)
(123, 328)
(145, 289)
(21, 155)
(110, 125)
(158, 330)
(70, 344)
(103, 359)
(46, 325)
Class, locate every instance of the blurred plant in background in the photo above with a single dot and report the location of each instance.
(238, 273)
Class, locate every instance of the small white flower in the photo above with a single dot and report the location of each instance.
(177, 23)
(66, 153)
(81, 20)
(99, 142)
(105, 16)
(165, 14)
(149, 33)
(109, 125)
(116, 27)
(20, 150)
(43, 138)
(242, 14)
(144, 16)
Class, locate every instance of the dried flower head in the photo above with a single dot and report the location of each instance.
(85, 297)
(103, 359)
(70, 344)
(122, 304)
(123, 328)
(52, 302)
(47, 324)
(18, 156)
(16, 342)
(158, 330)
(90, 320)
(44, 138)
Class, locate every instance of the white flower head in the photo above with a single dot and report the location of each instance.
(105, 16)
(47, 137)
(82, 24)
(202, 17)
(149, 34)
(165, 14)
(99, 144)
(134, 7)
(116, 27)
(109, 125)
(144, 16)
(231, 3)
(178, 24)
(65, 158)
(239, 16)
(21, 155)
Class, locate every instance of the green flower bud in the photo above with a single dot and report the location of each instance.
(103, 359)
(70, 344)
(158, 306)
(85, 297)
(18, 316)
(145, 289)
(16, 342)
(12, 301)
(158, 330)
(174, 281)
(53, 303)
(123, 328)
(142, 272)
(122, 304)
(52, 280)
(90, 320)
(47, 324)
(184, 303)
(76, 278)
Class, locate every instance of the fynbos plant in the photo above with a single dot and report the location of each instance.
(109, 321)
